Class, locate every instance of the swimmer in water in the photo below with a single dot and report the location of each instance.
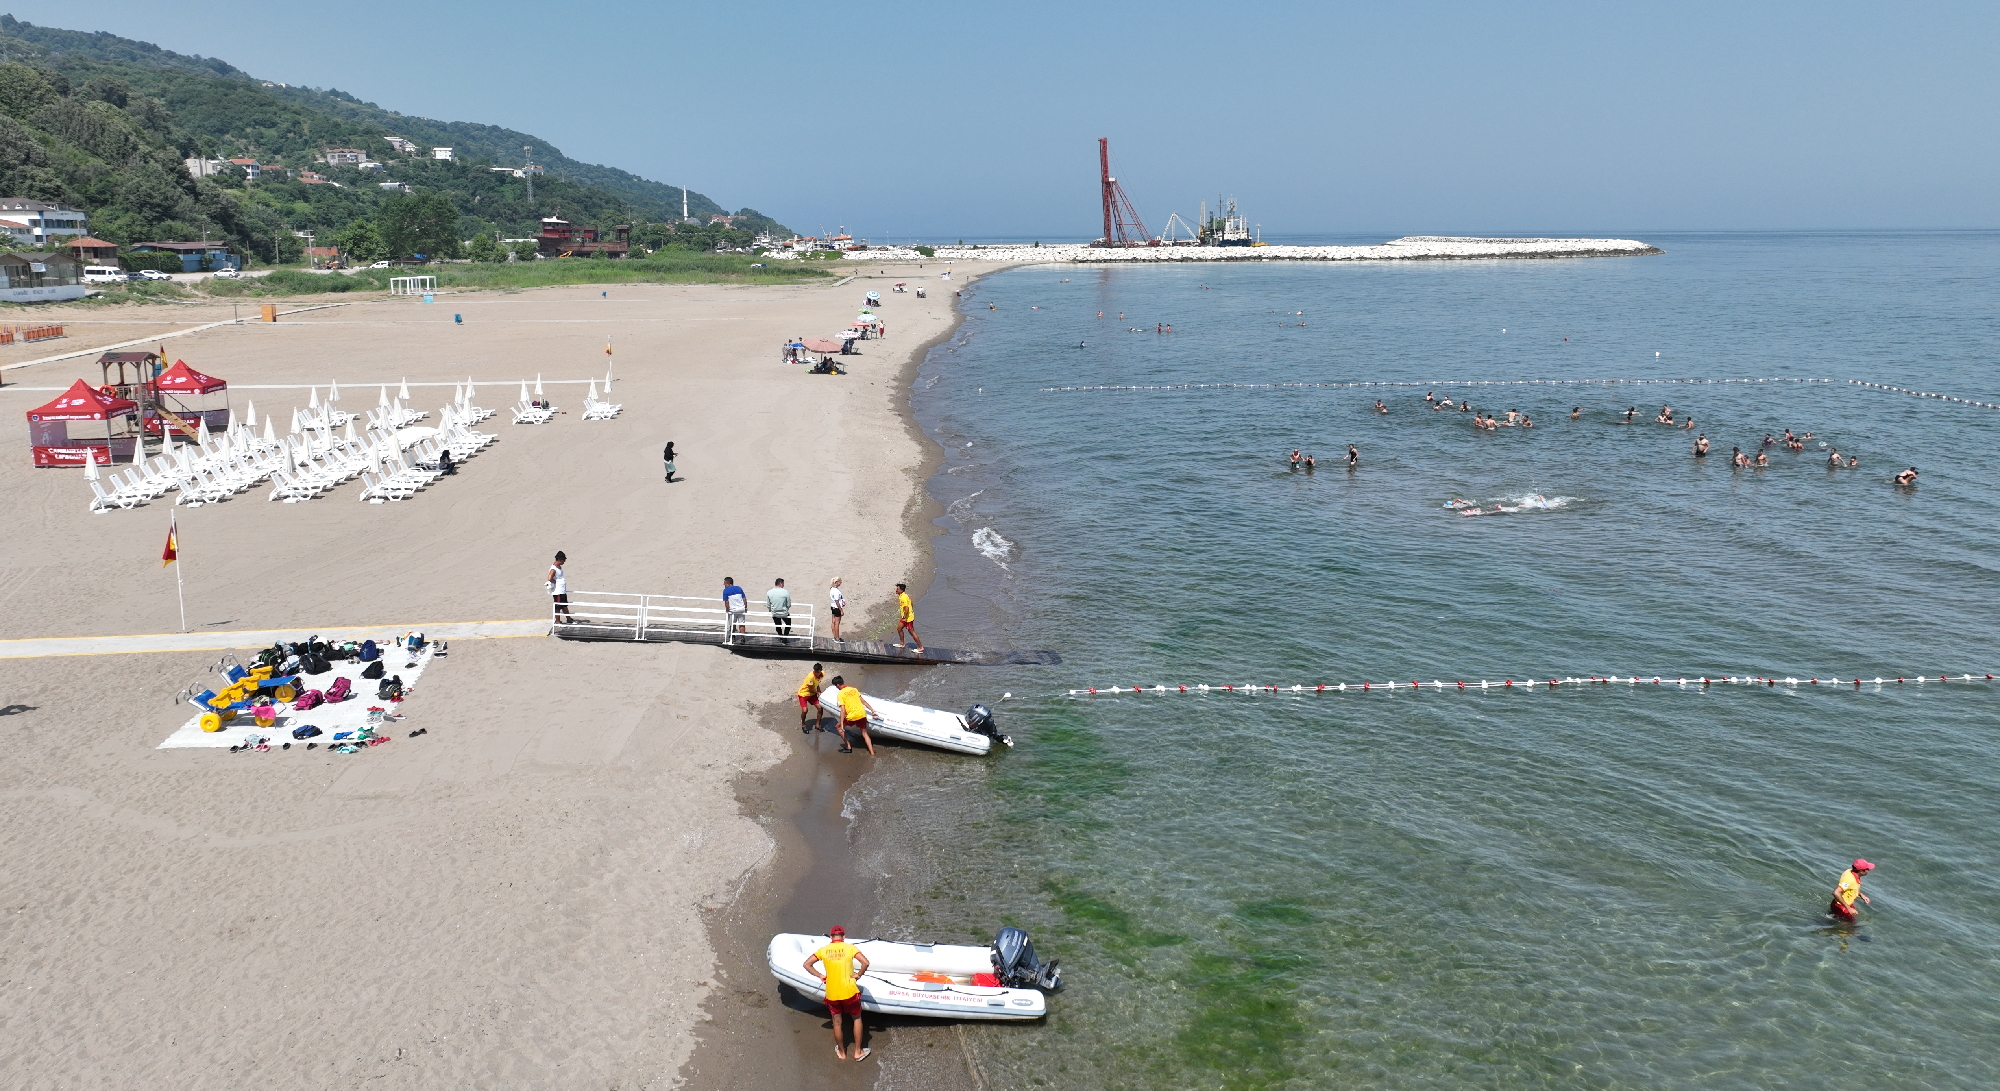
(1379, 407)
(1666, 415)
(1575, 413)
(1629, 413)
(1525, 422)
(1907, 477)
(1513, 417)
(1465, 407)
(1736, 459)
(1701, 446)
(1431, 398)
(1833, 459)
(1354, 457)
(1310, 463)
(1445, 404)
(1763, 460)
(1295, 458)
(1767, 440)
(1853, 462)
(1789, 437)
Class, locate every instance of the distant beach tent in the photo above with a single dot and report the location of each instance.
(48, 428)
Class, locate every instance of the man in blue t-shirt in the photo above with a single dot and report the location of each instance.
(736, 608)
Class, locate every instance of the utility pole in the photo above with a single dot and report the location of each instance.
(684, 204)
(528, 172)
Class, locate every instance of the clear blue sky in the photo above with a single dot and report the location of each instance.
(904, 119)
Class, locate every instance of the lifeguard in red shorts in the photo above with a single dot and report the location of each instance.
(843, 965)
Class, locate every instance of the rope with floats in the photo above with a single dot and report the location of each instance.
(1503, 382)
(1532, 684)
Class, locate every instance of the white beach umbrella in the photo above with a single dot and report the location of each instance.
(270, 433)
(350, 429)
(201, 431)
(403, 391)
(312, 399)
(524, 390)
(295, 419)
(90, 464)
(384, 402)
(593, 390)
(250, 414)
(375, 458)
(538, 384)
(333, 392)
(291, 462)
(607, 384)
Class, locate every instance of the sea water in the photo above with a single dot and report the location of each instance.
(1592, 886)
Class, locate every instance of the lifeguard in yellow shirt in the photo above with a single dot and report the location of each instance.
(853, 716)
(1848, 889)
(906, 617)
(841, 965)
(809, 691)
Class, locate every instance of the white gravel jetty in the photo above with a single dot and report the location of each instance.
(1408, 248)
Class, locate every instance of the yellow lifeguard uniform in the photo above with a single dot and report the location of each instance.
(837, 959)
(851, 708)
(905, 610)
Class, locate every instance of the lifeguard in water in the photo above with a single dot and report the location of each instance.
(1848, 889)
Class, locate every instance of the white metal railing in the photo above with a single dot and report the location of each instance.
(670, 617)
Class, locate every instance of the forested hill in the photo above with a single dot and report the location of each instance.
(104, 123)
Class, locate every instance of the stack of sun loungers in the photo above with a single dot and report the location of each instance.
(593, 409)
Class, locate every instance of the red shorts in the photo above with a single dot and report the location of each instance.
(850, 1007)
(855, 725)
(1843, 912)
(806, 703)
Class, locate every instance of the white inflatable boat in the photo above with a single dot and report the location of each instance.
(932, 979)
(972, 733)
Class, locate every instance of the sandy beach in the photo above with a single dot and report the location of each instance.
(525, 895)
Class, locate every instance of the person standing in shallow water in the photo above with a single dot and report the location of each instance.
(1353, 456)
(1847, 890)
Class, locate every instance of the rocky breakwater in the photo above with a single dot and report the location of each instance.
(1408, 248)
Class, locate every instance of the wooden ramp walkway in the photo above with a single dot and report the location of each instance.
(801, 647)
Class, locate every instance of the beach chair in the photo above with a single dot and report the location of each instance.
(600, 410)
(284, 487)
(376, 492)
(102, 501)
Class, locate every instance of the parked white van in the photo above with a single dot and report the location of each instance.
(103, 274)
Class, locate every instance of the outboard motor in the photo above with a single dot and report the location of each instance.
(979, 721)
(1014, 963)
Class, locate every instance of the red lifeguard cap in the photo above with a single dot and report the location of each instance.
(1863, 865)
(836, 930)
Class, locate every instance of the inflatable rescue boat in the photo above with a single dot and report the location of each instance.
(1001, 981)
(972, 733)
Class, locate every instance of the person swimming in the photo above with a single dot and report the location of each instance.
(1629, 413)
(1767, 440)
(1309, 463)
(1379, 407)
(1295, 458)
(1736, 459)
(1525, 422)
(1688, 425)
(1763, 459)
(1907, 477)
(1575, 413)
(1701, 446)
(1353, 456)
(1853, 462)
(1833, 459)
(1513, 417)
(1666, 415)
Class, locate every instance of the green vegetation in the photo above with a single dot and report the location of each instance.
(927, 251)
(665, 267)
(104, 124)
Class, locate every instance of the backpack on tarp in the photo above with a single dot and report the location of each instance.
(372, 670)
(310, 699)
(391, 689)
(304, 731)
(368, 653)
(338, 691)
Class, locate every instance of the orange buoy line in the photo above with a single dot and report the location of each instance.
(1530, 684)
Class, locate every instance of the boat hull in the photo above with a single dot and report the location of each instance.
(888, 988)
(916, 724)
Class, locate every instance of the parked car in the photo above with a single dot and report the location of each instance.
(227, 274)
(153, 274)
(103, 274)
(380, 265)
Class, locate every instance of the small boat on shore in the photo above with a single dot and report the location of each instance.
(1000, 981)
(972, 733)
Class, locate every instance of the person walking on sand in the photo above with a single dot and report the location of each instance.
(779, 602)
(1848, 889)
(558, 589)
(735, 608)
(836, 605)
(853, 716)
(840, 964)
(667, 456)
(906, 618)
(809, 691)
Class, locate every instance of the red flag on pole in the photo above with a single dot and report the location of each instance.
(607, 348)
(173, 551)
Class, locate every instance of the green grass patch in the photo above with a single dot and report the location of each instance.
(666, 267)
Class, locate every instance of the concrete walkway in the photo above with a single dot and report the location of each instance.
(37, 647)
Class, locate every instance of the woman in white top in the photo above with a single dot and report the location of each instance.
(836, 605)
(558, 586)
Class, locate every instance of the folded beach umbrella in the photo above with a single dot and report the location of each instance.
(593, 389)
(295, 420)
(312, 399)
(350, 429)
(270, 433)
(538, 384)
(89, 465)
(403, 391)
(201, 431)
(385, 398)
(607, 384)
(524, 390)
(250, 414)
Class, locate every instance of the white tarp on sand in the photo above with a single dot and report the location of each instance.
(348, 715)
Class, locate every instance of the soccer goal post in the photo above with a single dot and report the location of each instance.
(412, 285)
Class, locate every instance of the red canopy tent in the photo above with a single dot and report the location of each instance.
(183, 392)
(48, 428)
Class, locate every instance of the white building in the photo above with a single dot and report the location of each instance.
(397, 186)
(18, 232)
(441, 153)
(204, 168)
(46, 220)
(251, 168)
(336, 156)
(401, 145)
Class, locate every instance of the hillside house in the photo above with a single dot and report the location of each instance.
(441, 153)
(349, 156)
(251, 168)
(47, 221)
(401, 145)
(91, 251)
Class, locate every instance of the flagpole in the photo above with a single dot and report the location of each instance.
(174, 539)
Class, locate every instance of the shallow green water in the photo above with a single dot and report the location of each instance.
(1596, 887)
